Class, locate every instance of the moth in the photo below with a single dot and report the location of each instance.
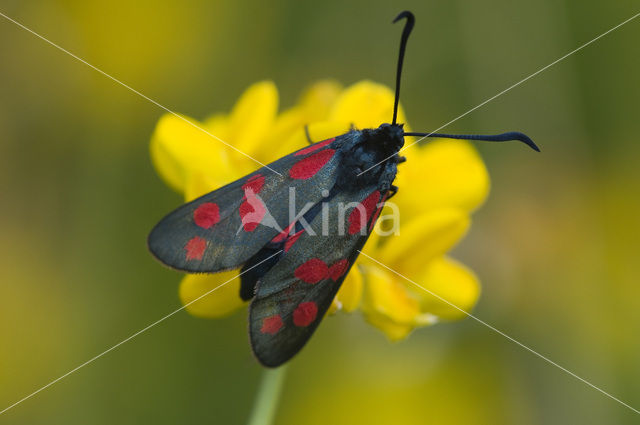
(292, 267)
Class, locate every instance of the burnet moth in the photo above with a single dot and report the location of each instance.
(293, 265)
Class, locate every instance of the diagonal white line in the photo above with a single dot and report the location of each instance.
(507, 89)
(91, 360)
(135, 91)
(531, 350)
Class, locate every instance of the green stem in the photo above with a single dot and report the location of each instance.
(266, 402)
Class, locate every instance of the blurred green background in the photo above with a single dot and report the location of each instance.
(556, 246)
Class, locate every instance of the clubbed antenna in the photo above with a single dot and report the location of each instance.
(504, 137)
(411, 20)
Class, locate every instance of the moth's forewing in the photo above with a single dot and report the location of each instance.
(223, 229)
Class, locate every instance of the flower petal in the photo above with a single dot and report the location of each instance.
(366, 104)
(318, 131)
(442, 173)
(394, 331)
(348, 297)
(317, 101)
(218, 303)
(387, 304)
(179, 148)
(287, 133)
(453, 282)
(287, 123)
(383, 229)
(199, 185)
(252, 117)
(423, 238)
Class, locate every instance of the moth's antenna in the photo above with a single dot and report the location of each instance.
(504, 137)
(411, 20)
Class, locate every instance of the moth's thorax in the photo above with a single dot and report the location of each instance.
(372, 156)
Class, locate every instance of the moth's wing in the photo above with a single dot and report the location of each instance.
(223, 229)
(295, 294)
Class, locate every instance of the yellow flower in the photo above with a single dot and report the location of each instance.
(440, 185)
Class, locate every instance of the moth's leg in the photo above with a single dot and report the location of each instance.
(392, 191)
(352, 127)
(400, 159)
(306, 132)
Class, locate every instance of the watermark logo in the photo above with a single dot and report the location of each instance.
(326, 215)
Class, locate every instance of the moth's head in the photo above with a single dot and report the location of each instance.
(390, 137)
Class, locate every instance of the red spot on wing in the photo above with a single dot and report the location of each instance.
(284, 234)
(206, 215)
(338, 269)
(255, 183)
(305, 313)
(312, 271)
(195, 248)
(288, 238)
(271, 324)
(315, 147)
(361, 214)
(252, 211)
(309, 166)
(289, 242)
(377, 214)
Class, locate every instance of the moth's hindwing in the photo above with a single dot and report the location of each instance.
(223, 229)
(295, 294)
